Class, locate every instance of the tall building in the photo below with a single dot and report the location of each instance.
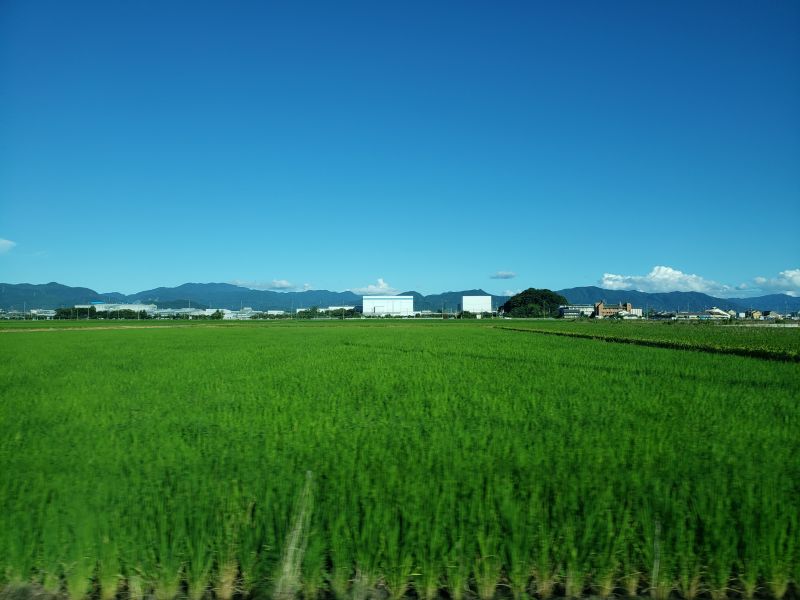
(476, 304)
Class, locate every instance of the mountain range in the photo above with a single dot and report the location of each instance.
(225, 295)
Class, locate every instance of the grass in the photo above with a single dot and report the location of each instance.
(442, 456)
(9, 325)
(780, 343)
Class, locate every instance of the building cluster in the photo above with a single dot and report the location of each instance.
(600, 310)
(372, 306)
(153, 312)
(718, 314)
(394, 306)
(403, 306)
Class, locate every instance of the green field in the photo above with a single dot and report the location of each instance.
(761, 341)
(399, 458)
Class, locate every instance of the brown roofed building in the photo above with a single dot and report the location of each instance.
(602, 311)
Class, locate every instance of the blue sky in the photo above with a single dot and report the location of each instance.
(383, 146)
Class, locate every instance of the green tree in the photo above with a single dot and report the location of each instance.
(534, 303)
(76, 313)
(310, 313)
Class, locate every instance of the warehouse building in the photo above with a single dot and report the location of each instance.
(388, 306)
(476, 304)
(109, 307)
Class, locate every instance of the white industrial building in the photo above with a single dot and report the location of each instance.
(576, 311)
(476, 304)
(243, 314)
(717, 313)
(173, 313)
(388, 306)
(333, 308)
(322, 310)
(325, 310)
(114, 307)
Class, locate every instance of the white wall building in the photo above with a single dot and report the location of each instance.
(325, 310)
(171, 313)
(108, 307)
(238, 315)
(388, 306)
(476, 304)
(576, 311)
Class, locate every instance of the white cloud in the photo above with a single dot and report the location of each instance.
(664, 279)
(787, 282)
(6, 245)
(511, 292)
(503, 275)
(282, 285)
(375, 289)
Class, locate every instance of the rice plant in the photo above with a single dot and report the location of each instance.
(449, 459)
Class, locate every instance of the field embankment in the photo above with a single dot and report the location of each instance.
(757, 342)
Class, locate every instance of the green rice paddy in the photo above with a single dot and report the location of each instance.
(776, 342)
(397, 459)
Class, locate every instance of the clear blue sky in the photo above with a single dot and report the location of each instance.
(429, 144)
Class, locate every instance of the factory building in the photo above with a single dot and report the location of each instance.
(326, 310)
(476, 304)
(388, 306)
(114, 307)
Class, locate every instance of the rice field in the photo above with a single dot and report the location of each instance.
(394, 460)
(763, 341)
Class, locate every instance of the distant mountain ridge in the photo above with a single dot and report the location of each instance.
(49, 295)
(225, 295)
